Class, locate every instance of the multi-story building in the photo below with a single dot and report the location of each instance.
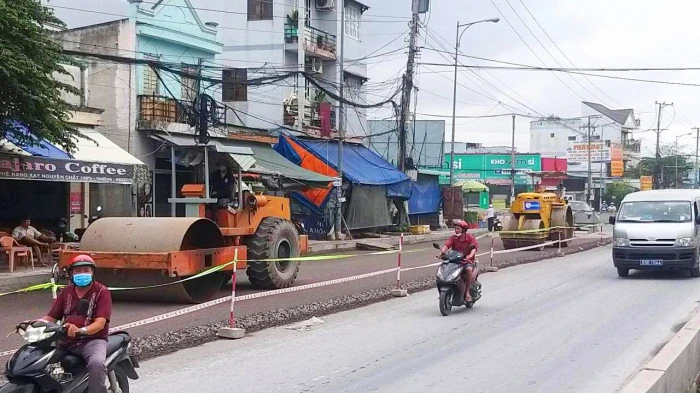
(267, 38)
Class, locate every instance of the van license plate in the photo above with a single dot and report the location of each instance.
(651, 262)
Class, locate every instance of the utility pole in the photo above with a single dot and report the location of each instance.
(341, 126)
(697, 147)
(408, 85)
(301, 63)
(512, 163)
(658, 172)
(590, 171)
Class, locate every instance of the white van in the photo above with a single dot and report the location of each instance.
(657, 229)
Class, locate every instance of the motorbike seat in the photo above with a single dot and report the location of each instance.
(116, 341)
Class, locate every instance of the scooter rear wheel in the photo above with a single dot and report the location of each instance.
(122, 379)
(445, 302)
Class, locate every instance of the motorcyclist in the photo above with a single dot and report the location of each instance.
(461, 242)
(87, 334)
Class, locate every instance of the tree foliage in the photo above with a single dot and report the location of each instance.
(669, 155)
(616, 191)
(28, 92)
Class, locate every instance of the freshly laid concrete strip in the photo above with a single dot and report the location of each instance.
(675, 367)
(335, 245)
(23, 278)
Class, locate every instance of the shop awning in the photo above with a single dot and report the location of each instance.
(360, 164)
(471, 186)
(269, 162)
(15, 131)
(95, 147)
(243, 156)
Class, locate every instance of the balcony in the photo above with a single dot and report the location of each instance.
(312, 118)
(632, 146)
(154, 108)
(317, 43)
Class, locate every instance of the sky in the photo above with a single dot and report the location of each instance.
(591, 34)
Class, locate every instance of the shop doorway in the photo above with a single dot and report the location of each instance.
(45, 202)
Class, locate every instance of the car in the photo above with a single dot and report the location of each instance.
(583, 214)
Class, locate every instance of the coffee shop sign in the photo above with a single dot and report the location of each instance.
(38, 168)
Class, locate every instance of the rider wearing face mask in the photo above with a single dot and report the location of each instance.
(461, 242)
(87, 333)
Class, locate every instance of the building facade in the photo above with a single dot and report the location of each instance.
(272, 38)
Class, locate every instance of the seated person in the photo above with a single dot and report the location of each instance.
(27, 235)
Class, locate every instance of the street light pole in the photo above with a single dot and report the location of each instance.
(458, 36)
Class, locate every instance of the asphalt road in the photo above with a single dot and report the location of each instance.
(20, 307)
(561, 325)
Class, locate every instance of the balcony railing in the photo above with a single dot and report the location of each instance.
(159, 108)
(632, 146)
(312, 116)
(316, 42)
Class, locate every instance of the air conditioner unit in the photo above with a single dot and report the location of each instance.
(314, 66)
(326, 5)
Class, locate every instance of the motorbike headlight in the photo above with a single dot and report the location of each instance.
(454, 275)
(440, 275)
(686, 242)
(621, 242)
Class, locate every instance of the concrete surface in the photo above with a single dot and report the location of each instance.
(22, 278)
(562, 325)
(319, 246)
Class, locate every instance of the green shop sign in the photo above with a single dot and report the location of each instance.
(493, 168)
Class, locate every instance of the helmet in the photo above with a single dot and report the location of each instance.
(462, 224)
(82, 260)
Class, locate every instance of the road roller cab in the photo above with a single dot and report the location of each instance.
(536, 218)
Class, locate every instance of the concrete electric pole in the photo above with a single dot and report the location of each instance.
(658, 172)
(408, 84)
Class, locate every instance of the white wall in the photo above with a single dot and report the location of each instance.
(551, 138)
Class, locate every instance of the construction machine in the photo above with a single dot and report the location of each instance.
(159, 252)
(538, 217)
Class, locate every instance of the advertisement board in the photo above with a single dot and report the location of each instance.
(47, 169)
(646, 183)
(578, 151)
(494, 168)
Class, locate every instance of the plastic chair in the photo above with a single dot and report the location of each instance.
(14, 249)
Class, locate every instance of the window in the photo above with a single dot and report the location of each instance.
(189, 85)
(352, 88)
(235, 87)
(150, 79)
(551, 135)
(572, 138)
(260, 9)
(352, 21)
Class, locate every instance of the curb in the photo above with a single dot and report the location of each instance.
(13, 283)
(675, 367)
(392, 240)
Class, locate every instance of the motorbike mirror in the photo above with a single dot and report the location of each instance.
(436, 245)
(83, 306)
(99, 209)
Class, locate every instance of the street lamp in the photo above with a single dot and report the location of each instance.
(677, 138)
(454, 92)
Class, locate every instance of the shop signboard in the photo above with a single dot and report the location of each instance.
(617, 166)
(76, 203)
(646, 183)
(47, 169)
(578, 152)
(494, 168)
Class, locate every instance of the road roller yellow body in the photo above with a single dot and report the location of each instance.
(160, 251)
(536, 218)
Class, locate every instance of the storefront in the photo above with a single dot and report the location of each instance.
(494, 170)
(47, 184)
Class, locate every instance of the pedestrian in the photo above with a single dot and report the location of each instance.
(490, 216)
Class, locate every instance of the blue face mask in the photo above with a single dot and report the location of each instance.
(82, 279)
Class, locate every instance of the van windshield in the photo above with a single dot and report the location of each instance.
(655, 211)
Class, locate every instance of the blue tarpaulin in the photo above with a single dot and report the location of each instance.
(425, 196)
(361, 166)
(42, 149)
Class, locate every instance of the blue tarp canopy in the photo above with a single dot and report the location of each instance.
(425, 195)
(14, 131)
(361, 166)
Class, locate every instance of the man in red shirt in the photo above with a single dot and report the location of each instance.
(461, 242)
(87, 329)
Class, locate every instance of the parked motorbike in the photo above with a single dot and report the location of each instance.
(39, 366)
(450, 283)
(497, 224)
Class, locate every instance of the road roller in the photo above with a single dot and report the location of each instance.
(159, 252)
(542, 217)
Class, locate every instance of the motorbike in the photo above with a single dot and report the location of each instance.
(40, 366)
(450, 283)
(80, 231)
(497, 224)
